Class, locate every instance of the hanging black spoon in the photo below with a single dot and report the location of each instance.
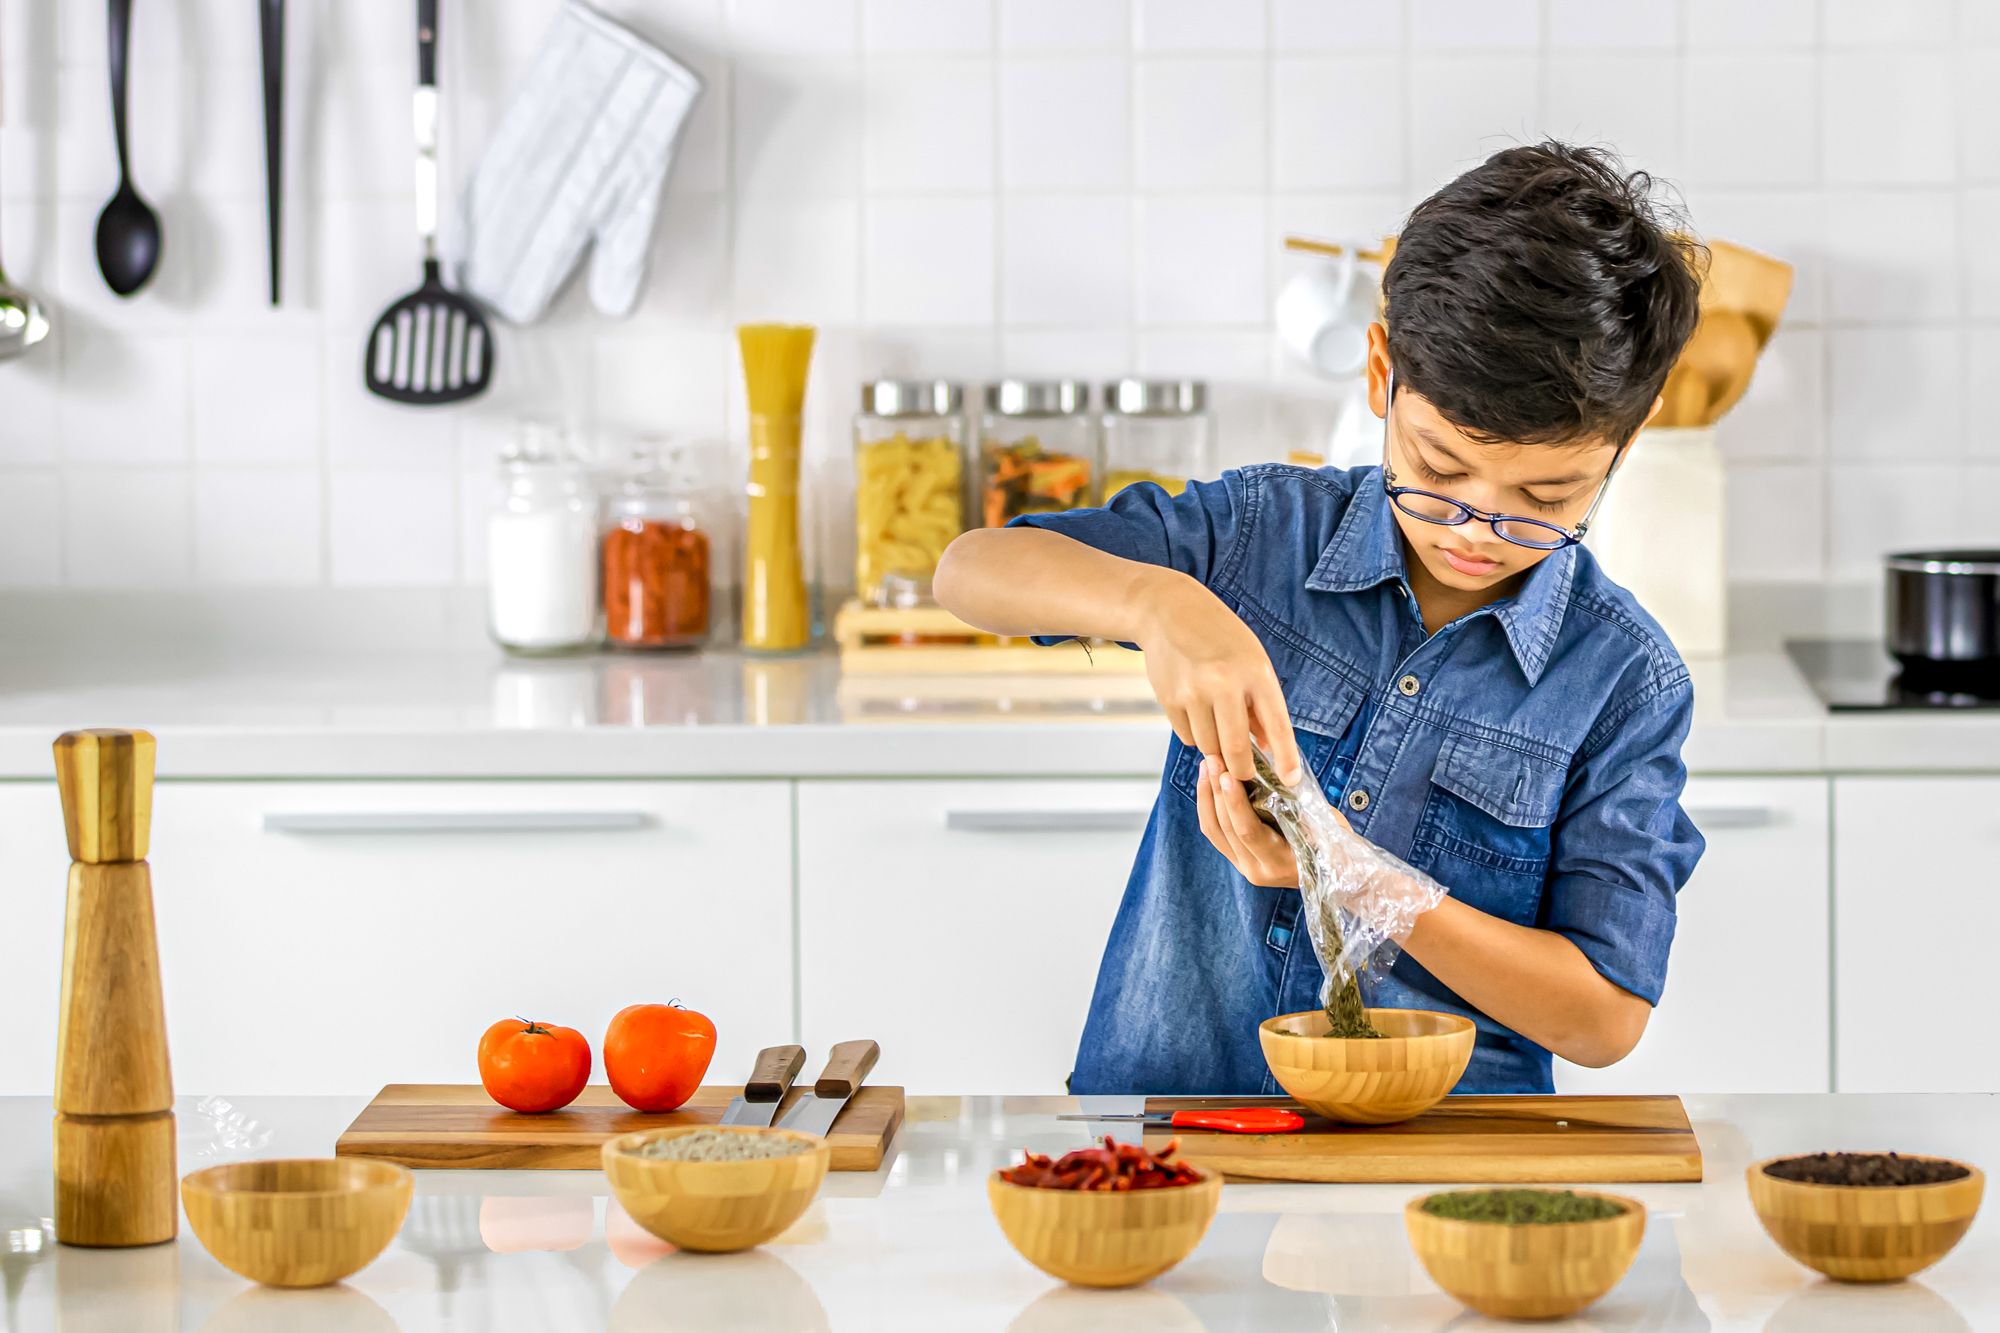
(272, 25)
(128, 230)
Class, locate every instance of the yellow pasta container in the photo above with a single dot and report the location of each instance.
(1157, 431)
(909, 451)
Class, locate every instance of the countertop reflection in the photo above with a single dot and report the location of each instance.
(914, 1246)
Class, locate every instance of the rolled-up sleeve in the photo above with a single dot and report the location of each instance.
(1623, 846)
(1194, 532)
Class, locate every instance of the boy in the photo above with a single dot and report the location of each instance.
(1471, 691)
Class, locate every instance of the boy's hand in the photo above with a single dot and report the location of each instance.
(1210, 672)
(1258, 851)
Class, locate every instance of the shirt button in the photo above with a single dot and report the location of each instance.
(1357, 801)
(1409, 685)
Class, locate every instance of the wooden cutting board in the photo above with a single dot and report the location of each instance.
(1598, 1140)
(457, 1127)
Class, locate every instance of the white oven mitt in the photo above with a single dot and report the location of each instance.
(579, 158)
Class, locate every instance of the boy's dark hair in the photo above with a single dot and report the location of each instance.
(1542, 297)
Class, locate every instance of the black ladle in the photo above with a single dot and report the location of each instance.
(128, 230)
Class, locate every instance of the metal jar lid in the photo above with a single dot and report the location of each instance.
(1156, 398)
(1037, 398)
(911, 398)
(1945, 562)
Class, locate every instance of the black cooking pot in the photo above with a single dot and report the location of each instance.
(1944, 615)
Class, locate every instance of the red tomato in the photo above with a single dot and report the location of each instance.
(529, 1066)
(655, 1054)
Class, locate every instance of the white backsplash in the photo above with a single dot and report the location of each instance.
(963, 188)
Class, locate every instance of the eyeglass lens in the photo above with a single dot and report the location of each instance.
(1521, 531)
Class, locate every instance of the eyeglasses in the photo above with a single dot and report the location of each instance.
(1430, 507)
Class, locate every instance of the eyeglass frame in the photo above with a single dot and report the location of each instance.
(1466, 514)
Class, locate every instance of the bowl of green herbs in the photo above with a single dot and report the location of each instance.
(1525, 1253)
(1397, 1064)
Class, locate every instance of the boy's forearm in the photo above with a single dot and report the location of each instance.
(1536, 982)
(1020, 581)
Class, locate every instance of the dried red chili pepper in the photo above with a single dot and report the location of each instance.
(1113, 1167)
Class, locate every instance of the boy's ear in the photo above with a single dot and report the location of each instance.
(1659, 401)
(1378, 370)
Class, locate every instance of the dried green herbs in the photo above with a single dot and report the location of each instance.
(1521, 1207)
(1278, 806)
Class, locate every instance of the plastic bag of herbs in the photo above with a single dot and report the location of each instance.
(1360, 901)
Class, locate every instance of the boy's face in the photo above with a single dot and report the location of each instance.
(1553, 483)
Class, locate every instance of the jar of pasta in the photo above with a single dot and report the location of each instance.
(909, 447)
(1037, 450)
(1157, 431)
(657, 557)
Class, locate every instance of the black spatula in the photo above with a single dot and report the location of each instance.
(433, 346)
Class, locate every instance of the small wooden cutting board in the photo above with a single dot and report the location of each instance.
(1471, 1140)
(457, 1127)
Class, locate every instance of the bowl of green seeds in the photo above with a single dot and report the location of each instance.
(1525, 1253)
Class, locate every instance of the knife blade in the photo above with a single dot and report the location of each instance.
(846, 1065)
(770, 1078)
(1231, 1120)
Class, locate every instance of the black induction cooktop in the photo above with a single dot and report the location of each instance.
(1858, 675)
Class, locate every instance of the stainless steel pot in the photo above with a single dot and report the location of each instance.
(1943, 619)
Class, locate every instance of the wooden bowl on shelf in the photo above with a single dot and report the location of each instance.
(716, 1207)
(1535, 1270)
(1370, 1081)
(1104, 1238)
(1865, 1233)
(297, 1222)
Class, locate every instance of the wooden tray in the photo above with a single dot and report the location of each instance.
(867, 637)
(456, 1127)
(1571, 1140)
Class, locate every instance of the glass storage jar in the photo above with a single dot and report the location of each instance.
(657, 555)
(1037, 450)
(541, 543)
(909, 449)
(1157, 431)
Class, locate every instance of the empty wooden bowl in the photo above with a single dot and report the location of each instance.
(1865, 1233)
(1104, 1238)
(1535, 1270)
(298, 1222)
(715, 1206)
(1403, 1073)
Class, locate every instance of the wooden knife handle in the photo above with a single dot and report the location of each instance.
(776, 1067)
(846, 1065)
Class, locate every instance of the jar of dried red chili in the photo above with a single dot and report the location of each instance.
(657, 586)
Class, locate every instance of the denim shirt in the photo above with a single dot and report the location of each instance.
(1526, 756)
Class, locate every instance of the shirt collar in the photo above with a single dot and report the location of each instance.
(1367, 551)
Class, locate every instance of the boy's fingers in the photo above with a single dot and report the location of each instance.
(1232, 734)
(1201, 721)
(1204, 808)
(1274, 728)
(1177, 719)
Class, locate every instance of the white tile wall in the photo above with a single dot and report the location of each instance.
(961, 188)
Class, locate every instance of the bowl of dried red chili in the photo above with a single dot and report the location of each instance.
(1105, 1216)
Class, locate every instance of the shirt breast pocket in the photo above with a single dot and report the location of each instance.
(1485, 829)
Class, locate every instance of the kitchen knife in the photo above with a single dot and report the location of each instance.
(846, 1065)
(1235, 1120)
(769, 1080)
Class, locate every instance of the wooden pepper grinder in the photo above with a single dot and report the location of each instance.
(114, 1130)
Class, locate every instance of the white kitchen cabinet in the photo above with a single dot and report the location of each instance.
(1745, 1008)
(960, 922)
(34, 866)
(1917, 912)
(330, 937)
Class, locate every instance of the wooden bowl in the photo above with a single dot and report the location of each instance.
(1865, 1233)
(715, 1207)
(1100, 1238)
(1409, 1069)
(1532, 1271)
(298, 1222)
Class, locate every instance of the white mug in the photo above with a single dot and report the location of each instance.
(1324, 312)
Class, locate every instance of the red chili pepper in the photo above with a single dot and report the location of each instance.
(1115, 1167)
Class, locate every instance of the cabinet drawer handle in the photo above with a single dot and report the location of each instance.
(1045, 821)
(1732, 816)
(454, 821)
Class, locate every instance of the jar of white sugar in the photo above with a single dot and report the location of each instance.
(541, 548)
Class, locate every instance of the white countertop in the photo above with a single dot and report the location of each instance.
(379, 684)
(914, 1245)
